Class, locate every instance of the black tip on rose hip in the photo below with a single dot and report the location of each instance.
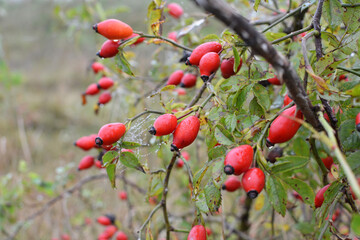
(152, 131)
(229, 170)
(74, 144)
(223, 187)
(252, 194)
(95, 27)
(99, 141)
(187, 62)
(268, 143)
(358, 127)
(111, 217)
(264, 83)
(182, 85)
(98, 86)
(173, 148)
(98, 54)
(204, 78)
(78, 169)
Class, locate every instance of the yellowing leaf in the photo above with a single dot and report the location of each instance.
(320, 83)
(259, 202)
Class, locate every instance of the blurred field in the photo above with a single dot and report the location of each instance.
(42, 115)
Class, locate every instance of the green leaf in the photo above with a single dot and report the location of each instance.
(218, 174)
(236, 59)
(128, 159)
(111, 172)
(355, 224)
(223, 136)
(327, 64)
(277, 195)
(353, 161)
(349, 139)
(289, 163)
(301, 188)
(332, 13)
(130, 145)
(231, 122)
(262, 96)
(255, 108)
(354, 92)
(216, 152)
(156, 184)
(213, 196)
(301, 147)
(241, 96)
(201, 204)
(123, 64)
(351, 19)
(305, 227)
(109, 157)
(271, 36)
(256, 5)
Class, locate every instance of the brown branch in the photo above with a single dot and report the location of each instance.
(262, 47)
(169, 228)
(317, 28)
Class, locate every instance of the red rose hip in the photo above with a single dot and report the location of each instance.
(227, 67)
(209, 63)
(121, 236)
(164, 125)
(175, 78)
(105, 83)
(231, 184)
(357, 122)
(198, 232)
(283, 128)
(185, 133)
(104, 98)
(110, 133)
(274, 81)
(188, 80)
(201, 50)
(175, 10)
(113, 29)
(86, 162)
(97, 67)
(253, 182)
(109, 49)
(238, 160)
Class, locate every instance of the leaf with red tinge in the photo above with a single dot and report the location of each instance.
(320, 83)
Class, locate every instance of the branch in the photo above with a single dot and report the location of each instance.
(349, 70)
(262, 47)
(169, 228)
(148, 219)
(317, 27)
(308, 28)
(318, 161)
(164, 39)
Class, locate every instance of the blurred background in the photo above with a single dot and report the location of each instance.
(46, 50)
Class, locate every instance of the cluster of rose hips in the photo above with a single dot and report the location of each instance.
(104, 83)
(111, 230)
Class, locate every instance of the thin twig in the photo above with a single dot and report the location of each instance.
(308, 28)
(169, 228)
(164, 39)
(318, 161)
(148, 220)
(331, 212)
(349, 70)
